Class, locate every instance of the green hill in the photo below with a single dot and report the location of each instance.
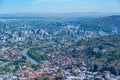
(100, 54)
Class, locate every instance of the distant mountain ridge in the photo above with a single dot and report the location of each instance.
(104, 21)
(69, 14)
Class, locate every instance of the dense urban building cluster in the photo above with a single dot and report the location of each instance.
(37, 49)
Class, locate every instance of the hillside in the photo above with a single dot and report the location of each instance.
(110, 24)
(99, 53)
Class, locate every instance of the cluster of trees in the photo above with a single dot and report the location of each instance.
(48, 78)
(7, 69)
(32, 52)
(36, 67)
(44, 78)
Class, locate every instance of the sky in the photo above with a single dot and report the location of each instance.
(58, 6)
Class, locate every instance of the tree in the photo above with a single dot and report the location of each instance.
(58, 78)
(46, 78)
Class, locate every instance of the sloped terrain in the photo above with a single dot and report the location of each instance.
(100, 54)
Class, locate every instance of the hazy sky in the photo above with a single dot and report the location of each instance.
(37, 6)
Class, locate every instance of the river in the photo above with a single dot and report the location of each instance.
(25, 53)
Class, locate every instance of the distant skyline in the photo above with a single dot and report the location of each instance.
(58, 6)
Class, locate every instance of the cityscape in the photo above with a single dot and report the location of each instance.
(59, 40)
(35, 48)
